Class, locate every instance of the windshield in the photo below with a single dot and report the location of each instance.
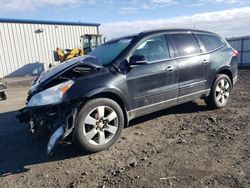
(107, 52)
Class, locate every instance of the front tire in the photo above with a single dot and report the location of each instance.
(98, 124)
(220, 92)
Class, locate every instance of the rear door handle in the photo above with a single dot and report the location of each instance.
(169, 68)
(205, 61)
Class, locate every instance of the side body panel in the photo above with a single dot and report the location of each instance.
(192, 75)
(152, 83)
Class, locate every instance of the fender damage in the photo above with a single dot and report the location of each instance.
(56, 120)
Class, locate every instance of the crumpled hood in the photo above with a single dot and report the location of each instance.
(58, 70)
(61, 68)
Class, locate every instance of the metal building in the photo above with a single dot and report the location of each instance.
(242, 44)
(26, 46)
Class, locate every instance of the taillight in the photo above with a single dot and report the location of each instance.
(235, 53)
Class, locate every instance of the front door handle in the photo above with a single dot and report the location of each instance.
(169, 68)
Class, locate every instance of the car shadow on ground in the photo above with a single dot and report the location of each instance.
(18, 149)
(186, 108)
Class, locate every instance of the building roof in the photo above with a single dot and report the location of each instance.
(30, 21)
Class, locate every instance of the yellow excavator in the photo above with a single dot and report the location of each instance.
(89, 43)
(64, 55)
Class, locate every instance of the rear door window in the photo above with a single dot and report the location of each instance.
(154, 49)
(210, 42)
(186, 44)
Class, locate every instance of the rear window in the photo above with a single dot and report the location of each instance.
(210, 42)
(186, 44)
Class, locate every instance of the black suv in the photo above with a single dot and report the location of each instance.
(91, 98)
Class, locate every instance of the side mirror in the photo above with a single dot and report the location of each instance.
(138, 60)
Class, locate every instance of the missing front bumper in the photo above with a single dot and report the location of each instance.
(56, 123)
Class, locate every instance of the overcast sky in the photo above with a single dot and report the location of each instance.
(227, 17)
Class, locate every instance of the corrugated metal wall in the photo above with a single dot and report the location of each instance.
(242, 44)
(23, 51)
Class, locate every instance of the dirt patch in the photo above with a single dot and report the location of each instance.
(185, 146)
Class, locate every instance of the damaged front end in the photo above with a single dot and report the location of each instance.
(52, 103)
(55, 122)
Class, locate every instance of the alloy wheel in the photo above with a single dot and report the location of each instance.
(222, 91)
(100, 125)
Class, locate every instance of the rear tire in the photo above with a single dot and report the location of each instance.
(98, 124)
(220, 93)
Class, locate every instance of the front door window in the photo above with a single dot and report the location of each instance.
(154, 49)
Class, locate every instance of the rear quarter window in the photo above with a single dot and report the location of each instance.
(210, 42)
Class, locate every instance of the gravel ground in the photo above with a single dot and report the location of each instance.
(185, 146)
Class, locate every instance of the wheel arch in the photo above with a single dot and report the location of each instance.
(222, 70)
(210, 98)
(110, 94)
(227, 72)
